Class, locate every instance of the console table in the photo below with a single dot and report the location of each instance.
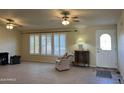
(81, 58)
(4, 58)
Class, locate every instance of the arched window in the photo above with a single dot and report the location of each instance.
(105, 42)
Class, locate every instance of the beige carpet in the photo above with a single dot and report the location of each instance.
(45, 73)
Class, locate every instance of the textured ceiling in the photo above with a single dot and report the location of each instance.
(49, 18)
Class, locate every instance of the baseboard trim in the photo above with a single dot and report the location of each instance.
(38, 61)
(92, 66)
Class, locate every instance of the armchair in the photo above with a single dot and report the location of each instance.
(64, 63)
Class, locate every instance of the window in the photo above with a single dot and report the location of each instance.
(62, 44)
(31, 44)
(48, 44)
(59, 44)
(34, 44)
(43, 44)
(105, 42)
(56, 44)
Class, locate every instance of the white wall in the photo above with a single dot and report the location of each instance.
(120, 32)
(9, 42)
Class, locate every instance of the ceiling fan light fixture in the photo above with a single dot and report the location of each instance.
(65, 22)
(9, 26)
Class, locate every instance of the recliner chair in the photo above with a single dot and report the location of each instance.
(64, 63)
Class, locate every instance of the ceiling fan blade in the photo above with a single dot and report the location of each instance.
(65, 17)
(15, 24)
(3, 19)
(58, 17)
(76, 21)
(9, 20)
(75, 17)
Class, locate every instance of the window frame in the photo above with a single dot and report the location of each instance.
(52, 44)
(59, 34)
(34, 45)
(65, 43)
(46, 44)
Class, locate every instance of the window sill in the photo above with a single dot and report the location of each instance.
(43, 55)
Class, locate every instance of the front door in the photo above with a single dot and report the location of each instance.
(106, 53)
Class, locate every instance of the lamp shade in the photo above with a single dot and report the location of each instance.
(9, 26)
(65, 22)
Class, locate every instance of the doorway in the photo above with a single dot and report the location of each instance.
(106, 48)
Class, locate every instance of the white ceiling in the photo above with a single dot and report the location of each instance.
(48, 18)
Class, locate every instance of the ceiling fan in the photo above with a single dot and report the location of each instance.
(66, 19)
(10, 23)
